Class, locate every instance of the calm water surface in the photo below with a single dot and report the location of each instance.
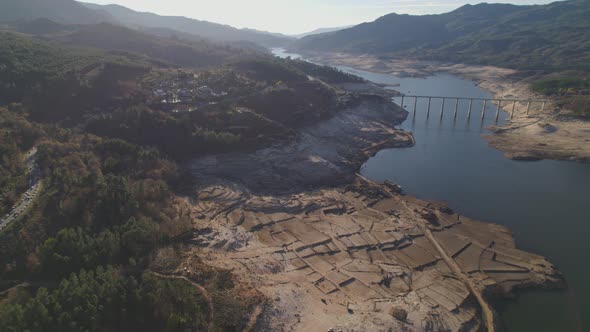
(543, 203)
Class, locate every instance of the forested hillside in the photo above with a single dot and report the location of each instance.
(549, 37)
(16, 135)
(55, 82)
(209, 30)
(552, 42)
(62, 11)
(106, 212)
(111, 112)
(184, 53)
(74, 12)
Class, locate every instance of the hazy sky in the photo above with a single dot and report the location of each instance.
(294, 16)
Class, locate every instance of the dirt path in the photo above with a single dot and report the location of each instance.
(253, 319)
(199, 288)
(488, 313)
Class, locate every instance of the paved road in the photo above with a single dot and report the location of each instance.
(31, 193)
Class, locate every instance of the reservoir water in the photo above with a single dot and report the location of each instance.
(542, 202)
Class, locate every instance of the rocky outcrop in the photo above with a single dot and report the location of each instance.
(324, 154)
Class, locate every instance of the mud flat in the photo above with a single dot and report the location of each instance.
(549, 133)
(332, 250)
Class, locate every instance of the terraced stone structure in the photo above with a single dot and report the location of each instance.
(356, 258)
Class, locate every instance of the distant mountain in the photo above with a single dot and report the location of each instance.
(162, 46)
(395, 32)
(188, 37)
(41, 26)
(61, 11)
(204, 29)
(73, 12)
(554, 36)
(322, 30)
(188, 53)
(268, 33)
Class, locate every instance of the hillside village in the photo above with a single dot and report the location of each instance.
(184, 92)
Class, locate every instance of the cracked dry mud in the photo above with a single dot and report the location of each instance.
(354, 256)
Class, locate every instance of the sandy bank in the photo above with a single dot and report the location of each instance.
(548, 134)
(332, 250)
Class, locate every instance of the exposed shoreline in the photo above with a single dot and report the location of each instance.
(332, 249)
(551, 134)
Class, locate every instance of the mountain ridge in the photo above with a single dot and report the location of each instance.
(184, 53)
(322, 30)
(61, 11)
(205, 29)
(73, 12)
(554, 36)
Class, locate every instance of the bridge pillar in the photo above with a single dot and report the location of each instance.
(500, 104)
(528, 107)
(498, 109)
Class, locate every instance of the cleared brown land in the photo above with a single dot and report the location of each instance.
(332, 250)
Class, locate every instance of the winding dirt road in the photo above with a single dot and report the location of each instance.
(488, 313)
(199, 288)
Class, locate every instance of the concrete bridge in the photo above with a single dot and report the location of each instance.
(482, 101)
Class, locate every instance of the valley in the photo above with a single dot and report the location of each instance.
(160, 171)
(525, 136)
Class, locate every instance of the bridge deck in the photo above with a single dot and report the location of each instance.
(499, 101)
(476, 98)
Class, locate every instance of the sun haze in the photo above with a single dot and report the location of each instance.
(293, 16)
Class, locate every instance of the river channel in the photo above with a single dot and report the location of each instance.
(543, 202)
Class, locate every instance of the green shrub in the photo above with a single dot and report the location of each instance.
(399, 314)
